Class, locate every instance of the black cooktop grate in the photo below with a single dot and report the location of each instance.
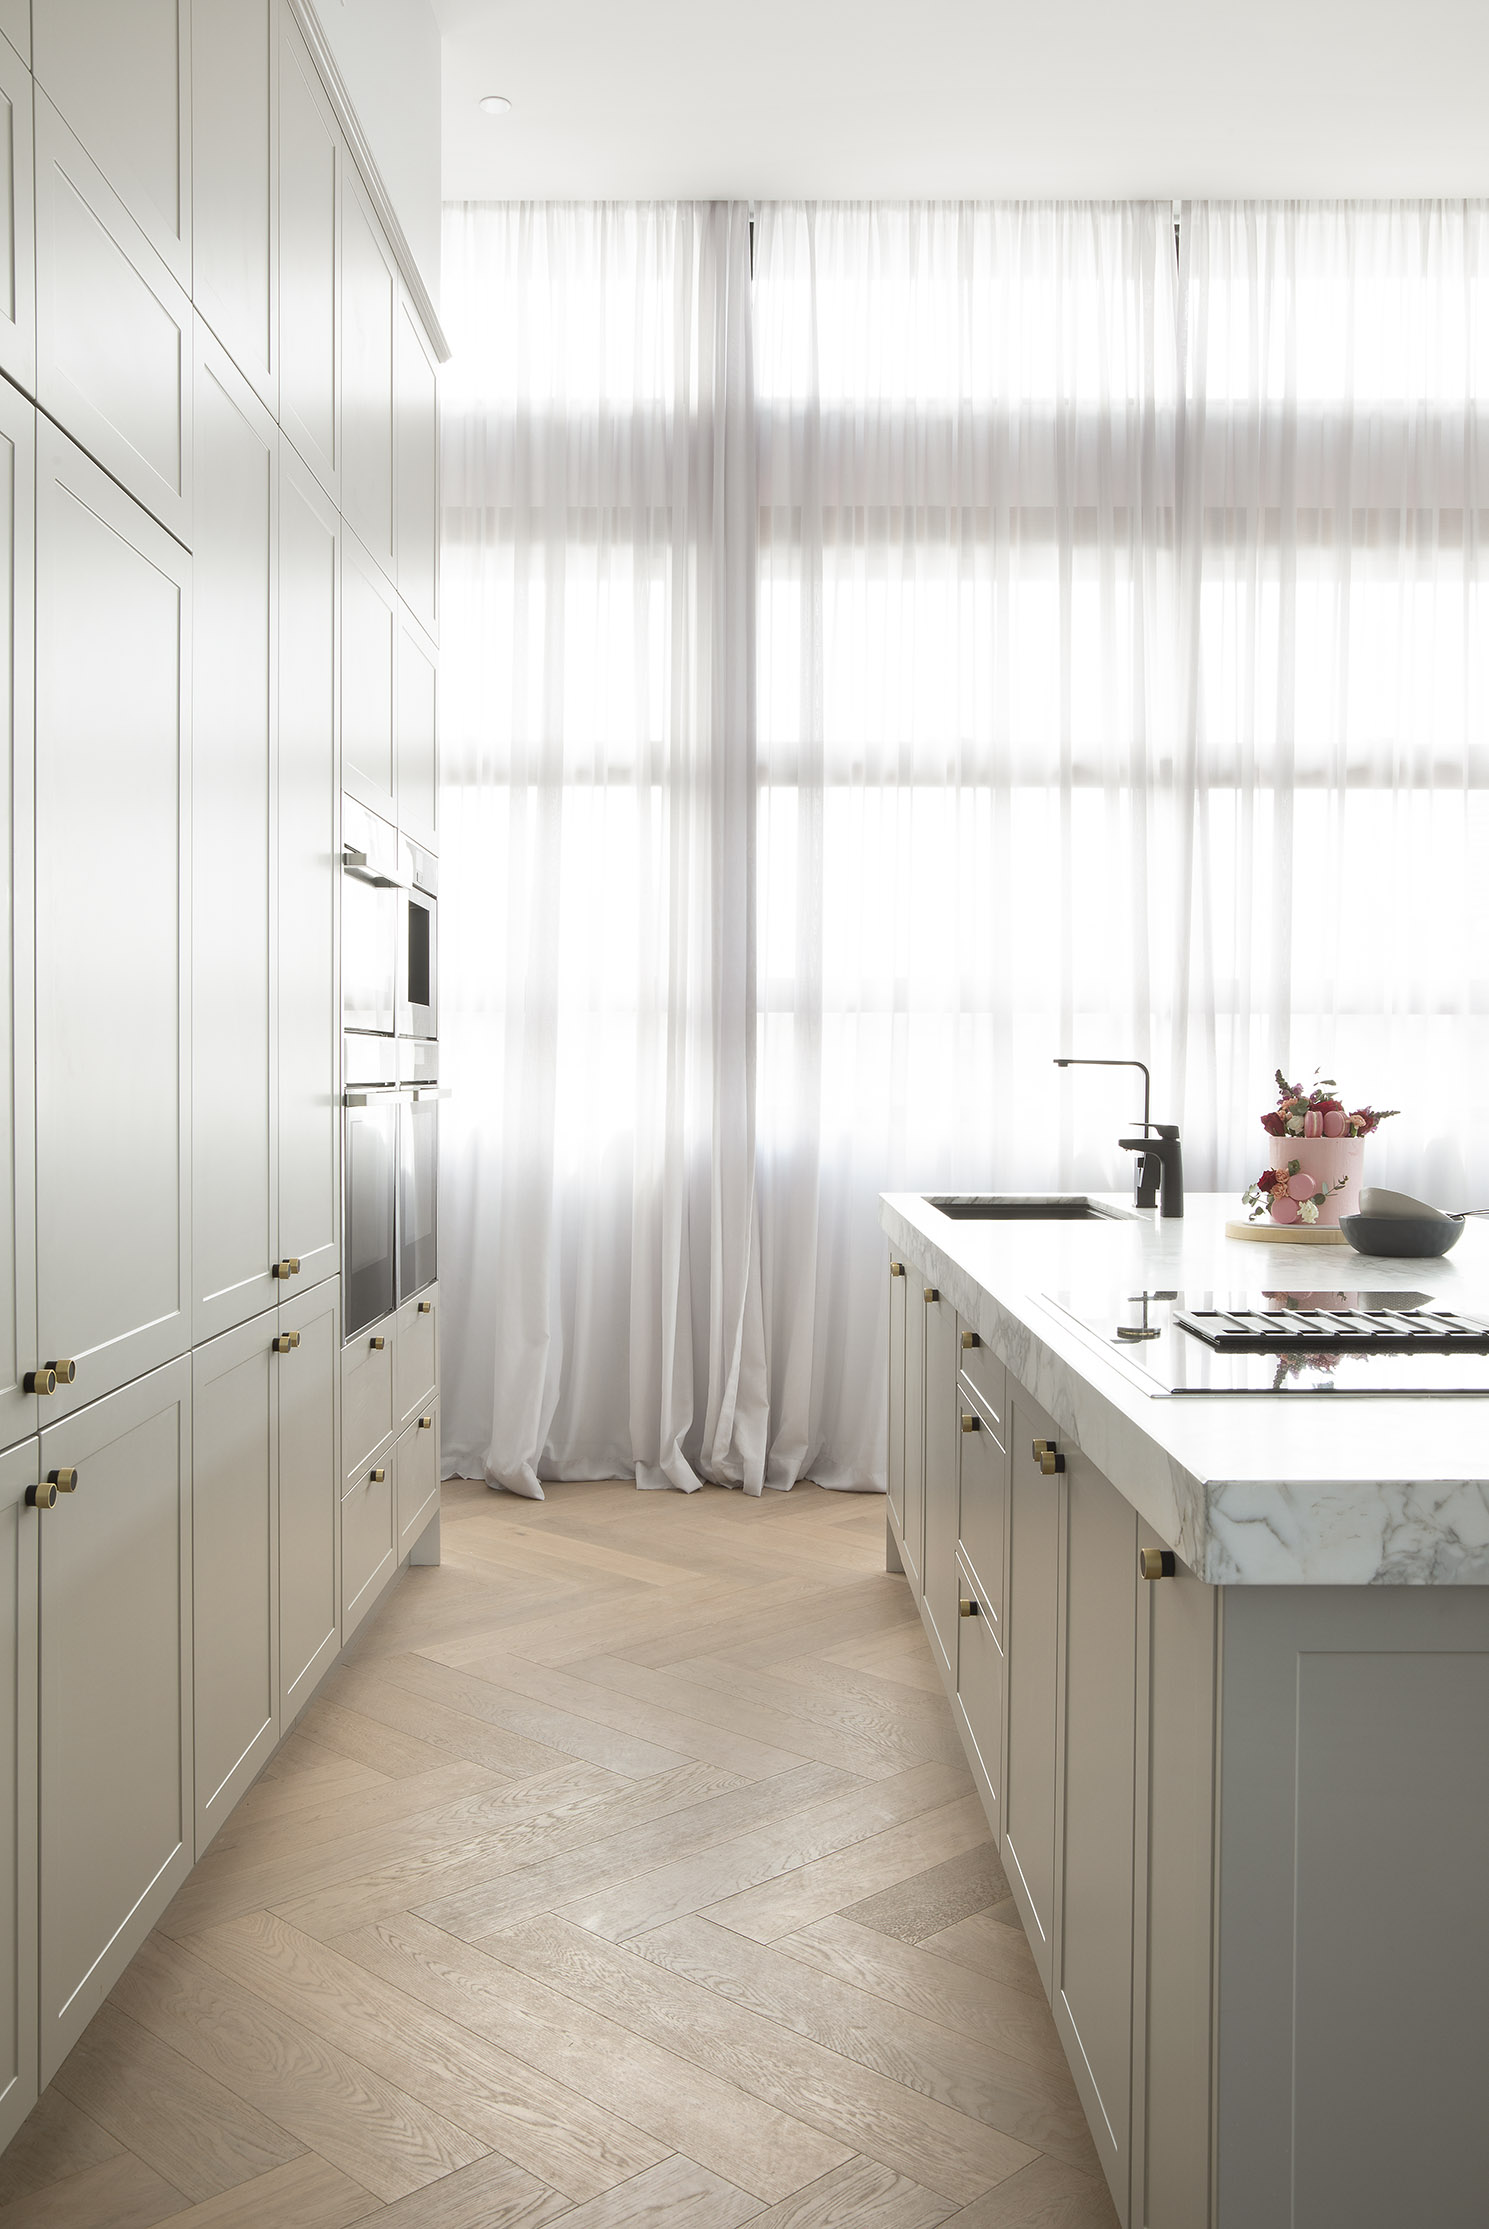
(1337, 1330)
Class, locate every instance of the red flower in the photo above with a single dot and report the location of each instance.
(1267, 1179)
(1274, 1125)
(1329, 1106)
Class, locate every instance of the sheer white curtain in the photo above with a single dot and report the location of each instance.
(598, 1182)
(1337, 654)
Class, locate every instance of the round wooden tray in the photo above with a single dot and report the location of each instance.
(1288, 1234)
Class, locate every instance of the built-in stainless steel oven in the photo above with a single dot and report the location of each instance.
(418, 1165)
(370, 919)
(418, 949)
(369, 1180)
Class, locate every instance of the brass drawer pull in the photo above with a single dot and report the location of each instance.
(1048, 1457)
(286, 1342)
(1157, 1563)
(377, 1474)
(969, 1606)
(896, 1269)
(65, 1372)
(56, 1482)
(377, 1345)
(426, 1424)
(971, 1423)
(43, 1380)
(931, 1293)
(426, 1307)
(971, 1339)
(289, 1267)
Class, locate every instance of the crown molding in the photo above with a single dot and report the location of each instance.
(315, 38)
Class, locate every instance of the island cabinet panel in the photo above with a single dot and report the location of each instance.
(899, 1285)
(1353, 2055)
(115, 1692)
(309, 191)
(979, 1692)
(1174, 1903)
(120, 72)
(942, 1463)
(235, 188)
(235, 1552)
(19, 1545)
(113, 1065)
(1032, 1650)
(983, 1499)
(18, 1355)
(913, 1530)
(235, 1197)
(309, 1379)
(17, 223)
(309, 879)
(1096, 1750)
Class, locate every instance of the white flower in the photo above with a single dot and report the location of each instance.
(1295, 1126)
(1308, 1210)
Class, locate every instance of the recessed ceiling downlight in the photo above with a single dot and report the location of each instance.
(494, 104)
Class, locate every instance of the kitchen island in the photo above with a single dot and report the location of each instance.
(1242, 1801)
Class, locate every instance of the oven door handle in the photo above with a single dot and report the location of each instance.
(375, 1095)
(429, 1091)
(356, 863)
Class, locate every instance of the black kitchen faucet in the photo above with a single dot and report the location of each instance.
(1158, 1172)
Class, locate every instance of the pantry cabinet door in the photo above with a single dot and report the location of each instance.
(17, 223)
(113, 1068)
(417, 523)
(115, 1700)
(1031, 1657)
(898, 1288)
(235, 1563)
(18, 1579)
(15, 22)
(309, 876)
(17, 916)
(309, 189)
(235, 183)
(368, 634)
(418, 734)
(120, 72)
(113, 330)
(369, 305)
(235, 1194)
(309, 1495)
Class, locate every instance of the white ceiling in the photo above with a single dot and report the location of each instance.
(827, 98)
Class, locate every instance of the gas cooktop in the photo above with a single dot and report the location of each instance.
(1287, 1342)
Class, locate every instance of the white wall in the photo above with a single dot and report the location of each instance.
(389, 53)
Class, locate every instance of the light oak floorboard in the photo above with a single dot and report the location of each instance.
(812, 1891)
(1044, 2195)
(119, 2193)
(938, 1898)
(54, 2140)
(491, 2195)
(984, 1945)
(306, 2193)
(445, 1690)
(861, 2195)
(677, 2195)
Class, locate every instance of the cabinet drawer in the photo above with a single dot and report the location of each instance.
(979, 1686)
(367, 1556)
(416, 1355)
(416, 1477)
(986, 1374)
(366, 1395)
(984, 1497)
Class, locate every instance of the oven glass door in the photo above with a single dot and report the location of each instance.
(371, 1144)
(418, 1194)
(417, 971)
(369, 954)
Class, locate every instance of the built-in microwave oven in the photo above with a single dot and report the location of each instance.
(418, 949)
(370, 920)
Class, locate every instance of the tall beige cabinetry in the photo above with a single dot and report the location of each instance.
(200, 286)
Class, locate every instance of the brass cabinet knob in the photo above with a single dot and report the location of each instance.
(970, 1339)
(282, 1344)
(1048, 1457)
(56, 1482)
(43, 1380)
(65, 1481)
(426, 1424)
(377, 1474)
(1157, 1563)
(971, 1423)
(289, 1267)
(64, 1372)
(377, 1345)
(896, 1269)
(294, 1338)
(426, 1307)
(969, 1606)
(931, 1293)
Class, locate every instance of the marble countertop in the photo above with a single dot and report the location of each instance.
(1253, 1490)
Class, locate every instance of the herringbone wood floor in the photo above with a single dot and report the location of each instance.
(627, 1872)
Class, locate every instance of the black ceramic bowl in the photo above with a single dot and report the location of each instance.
(1416, 1236)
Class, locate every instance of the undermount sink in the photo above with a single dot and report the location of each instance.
(1026, 1207)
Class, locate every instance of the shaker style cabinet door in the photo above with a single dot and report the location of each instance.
(17, 223)
(18, 1576)
(1030, 1654)
(235, 1562)
(416, 1476)
(916, 1308)
(309, 187)
(418, 734)
(119, 71)
(235, 183)
(113, 330)
(309, 1495)
(113, 1071)
(115, 1704)
(899, 1283)
(417, 505)
(235, 1193)
(369, 306)
(18, 1354)
(368, 633)
(15, 23)
(942, 1469)
(309, 878)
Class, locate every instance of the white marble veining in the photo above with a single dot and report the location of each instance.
(1252, 1490)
